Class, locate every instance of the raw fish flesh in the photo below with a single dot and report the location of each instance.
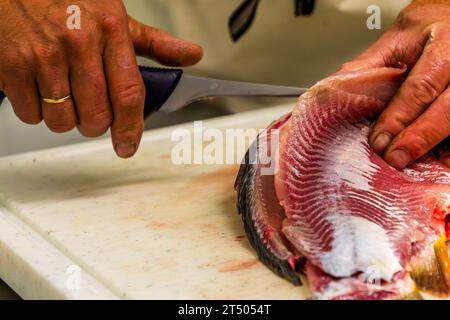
(335, 211)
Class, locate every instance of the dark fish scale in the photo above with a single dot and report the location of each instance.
(245, 207)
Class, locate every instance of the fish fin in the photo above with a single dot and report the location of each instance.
(432, 274)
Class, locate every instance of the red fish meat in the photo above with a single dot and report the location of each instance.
(334, 210)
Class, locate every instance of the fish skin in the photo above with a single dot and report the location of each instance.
(427, 169)
(245, 206)
(277, 256)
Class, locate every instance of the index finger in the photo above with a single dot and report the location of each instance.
(162, 46)
(126, 88)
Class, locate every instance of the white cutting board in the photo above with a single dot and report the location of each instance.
(138, 228)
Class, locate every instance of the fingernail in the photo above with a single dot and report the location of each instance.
(125, 150)
(381, 142)
(399, 159)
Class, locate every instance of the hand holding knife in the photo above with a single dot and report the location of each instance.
(169, 90)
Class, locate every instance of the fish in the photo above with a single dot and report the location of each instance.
(328, 208)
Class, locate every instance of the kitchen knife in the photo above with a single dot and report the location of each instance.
(169, 90)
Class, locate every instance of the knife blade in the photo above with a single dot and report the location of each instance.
(169, 90)
(191, 89)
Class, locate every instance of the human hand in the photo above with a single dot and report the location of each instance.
(418, 117)
(41, 58)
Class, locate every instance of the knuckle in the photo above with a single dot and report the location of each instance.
(439, 52)
(47, 54)
(98, 119)
(439, 30)
(17, 71)
(57, 90)
(77, 41)
(17, 66)
(407, 19)
(419, 142)
(103, 119)
(424, 90)
(395, 122)
(129, 131)
(112, 23)
(131, 96)
(416, 144)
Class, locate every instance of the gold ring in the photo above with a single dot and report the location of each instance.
(57, 101)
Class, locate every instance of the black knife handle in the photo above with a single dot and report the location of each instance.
(159, 85)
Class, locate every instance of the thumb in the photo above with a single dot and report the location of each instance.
(162, 47)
